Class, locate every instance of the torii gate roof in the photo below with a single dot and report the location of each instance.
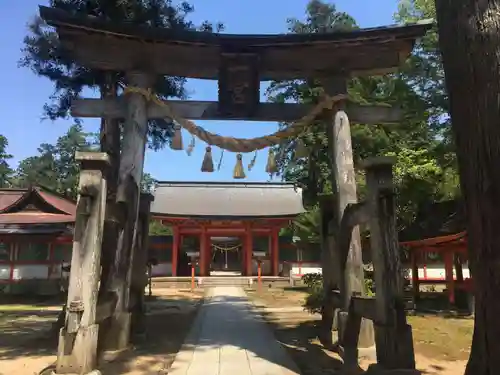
(106, 45)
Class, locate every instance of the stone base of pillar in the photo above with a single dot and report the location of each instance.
(77, 350)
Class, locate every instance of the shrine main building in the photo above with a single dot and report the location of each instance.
(226, 223)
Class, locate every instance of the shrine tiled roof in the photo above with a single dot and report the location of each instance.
(226, 200)
(35, 205)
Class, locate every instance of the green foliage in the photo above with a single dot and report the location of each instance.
(315, 294)
(369, 286)
(426, 165)
(314, 300)
(43, 54)
(315, 297)
(55, 167)
(418, 177)
(6, 172)
(158, 229)
(147, 183)
(312, 280)
(307, 226)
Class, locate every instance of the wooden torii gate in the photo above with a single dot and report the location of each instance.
(239, 62)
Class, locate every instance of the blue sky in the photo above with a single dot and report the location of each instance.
(23, 94)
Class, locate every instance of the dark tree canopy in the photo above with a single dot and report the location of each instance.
(6, 172)
(42, 53)
(55, 167)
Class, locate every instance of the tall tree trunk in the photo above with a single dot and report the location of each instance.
(469, 33)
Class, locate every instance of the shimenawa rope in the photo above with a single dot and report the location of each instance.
(239, 144)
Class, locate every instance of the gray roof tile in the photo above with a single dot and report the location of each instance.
(222, 199)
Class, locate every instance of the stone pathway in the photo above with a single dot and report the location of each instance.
(229, 337)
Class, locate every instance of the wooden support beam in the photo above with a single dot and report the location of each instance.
(130, 174)
(205, 110)
(330, 270)
(139, 265)
(77, 350)
(106, 307)
(393, 335)
(364, 307)
(354, 214)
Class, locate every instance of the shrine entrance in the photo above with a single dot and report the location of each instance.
(227, 257)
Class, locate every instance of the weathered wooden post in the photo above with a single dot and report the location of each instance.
(393, 335)
(130, 175)
(330, 267)
(351, 274)
(140, 264)
(77, 350)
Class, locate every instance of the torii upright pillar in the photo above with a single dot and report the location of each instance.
(351, 278)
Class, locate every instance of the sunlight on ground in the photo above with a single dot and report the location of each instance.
(442, 344)
(26, 347)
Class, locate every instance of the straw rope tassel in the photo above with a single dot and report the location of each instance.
(208, 162)
(271, 163)
(239, 172)
(219, 164)
(176, 143)
(252, 162)
(190, 147)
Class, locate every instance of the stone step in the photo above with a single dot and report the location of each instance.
(212, 281)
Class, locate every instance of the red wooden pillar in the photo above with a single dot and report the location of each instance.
(203, 251)
(275, 250)
(414, 256)
(248, 250)
(175, 250)
(243, 256)
(208, 254)
(448, 267)
(271, 252)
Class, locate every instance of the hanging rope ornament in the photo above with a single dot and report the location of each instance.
(271, 163)
(233, 144)
(190, 147)
(252, 162)
(177, 138)
(231, 248)
(219, 164)
(208, 163)
(239, 171)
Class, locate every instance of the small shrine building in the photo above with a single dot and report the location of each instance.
(226, 222)
(437, 249)
(36, 238)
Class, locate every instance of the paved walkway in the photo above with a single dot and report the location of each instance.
(228, 338)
